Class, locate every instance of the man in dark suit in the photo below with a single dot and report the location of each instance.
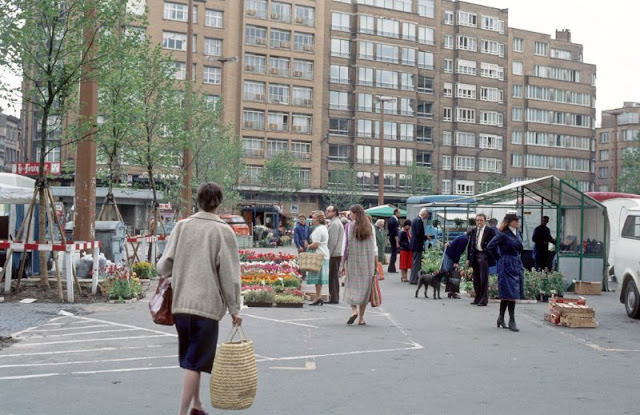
(541, 238)
(394, 233)
(417, 244)
(479, 258)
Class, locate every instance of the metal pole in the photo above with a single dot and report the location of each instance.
(187, 155)
(85, 180)
(381, 157)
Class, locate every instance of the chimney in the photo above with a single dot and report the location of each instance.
(564, 35)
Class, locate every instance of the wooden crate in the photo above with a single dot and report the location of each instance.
(588, 288)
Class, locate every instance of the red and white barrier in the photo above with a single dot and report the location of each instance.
(144, 240)
(67, 249)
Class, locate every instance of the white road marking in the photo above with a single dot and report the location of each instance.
(69, 328)
(20, 345)
(81, 362)
(88, 372)
(280, 321)
(308, 365)
(82, 333)
(127, 325)
(101, 349)
(42, 375)
(416, 346)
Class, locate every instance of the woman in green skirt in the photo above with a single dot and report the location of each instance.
(318, 243)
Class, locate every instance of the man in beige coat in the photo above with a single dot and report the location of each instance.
(336, 246)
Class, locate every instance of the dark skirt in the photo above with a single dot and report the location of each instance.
(405, 260)
(197, 340)
(510, 271)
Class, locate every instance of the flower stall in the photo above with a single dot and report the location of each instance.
(270, 277)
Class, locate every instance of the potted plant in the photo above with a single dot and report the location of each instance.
(120, 283)
(257, 296)
(144, 269)
(290, 299)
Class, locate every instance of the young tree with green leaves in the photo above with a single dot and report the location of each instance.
(419, 179)
(343, 190)
(281, 176)
(44, 42)
(628, 181)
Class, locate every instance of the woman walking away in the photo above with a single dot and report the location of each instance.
(506, 247)
(359, 263)
(319, 240)
(202, 259)
(405, 250)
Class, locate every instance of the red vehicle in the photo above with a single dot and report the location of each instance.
(238, 224)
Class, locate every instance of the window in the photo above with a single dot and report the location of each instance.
(368, 129)
(540, 48)
(604, 137)
(279, 66)
(466, 67)
(448, 41)
(305, 177)
(516, 137)
(423, 158)
(254, 91)
(254, 63)
(408, 56)
(388, 27)
(339, 74)
(448, 66)
(516, 160)
(446, 114)
(447, 89)
(405, 157)
(280, 12)
(256, 35)
(490, 165)
(425, 84)
(302, 69)
(449, 17)
(492, 47)
(446, 162)
(338, 100)
(467, 19)
(464, 187)
(466, 43)
(280, 39)
(425, 110)
(425, 60)
(409, 31)
(561, 54)
(604, 155)
(302, 96)
(491, 94)
(386, 79)
(301, 150)
(363, 154)
(464, 163)
(390, 130)
(340, 48)
(211, 101)
(465, 91)
(274, 147)
(254, 175)
(406, 132)
(387, 53)
(212, 47)
(214, 18)
(341, 22)
(426, 8)
(466, 115)
(253, 119)
(279, 94)
(445, 187)
(365, 102)
(390, 157)
(465, 139)
(305, 16)
(406, 107)
(559, 74)
(628, 135)
(211, 75)
(491, 70)
(257, 8)
(631, 228)
(406, 82)
(426, 35)
(517, 68)
(303, 42)
(493, 24)
(424, 134)
(558, 95)
(490, 141)
(363, 178)
(180, 71)
(339, 153)
(253, 147)
(366, 24)
(517, 91)
(174, 41)
(278, 121)
(175, 11)
(491, 118)
(365, 76)
(365, 50)
(518, 44)
(516, 114)
(339, 126)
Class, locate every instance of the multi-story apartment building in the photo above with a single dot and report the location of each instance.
(9, 141)
(620, 128)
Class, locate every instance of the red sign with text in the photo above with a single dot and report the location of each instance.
(31, 169)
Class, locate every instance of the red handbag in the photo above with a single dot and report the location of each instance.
(160, 303)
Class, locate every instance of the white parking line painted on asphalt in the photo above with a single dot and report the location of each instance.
(308, 365)
(21, 345)
(280, 321)
(68, 328)
(82, 362)
(89, 372)
(100, 349)
(416, 346)
(82, 333)
(41, 375)
(126, 325)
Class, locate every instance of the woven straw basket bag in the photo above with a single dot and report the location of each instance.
(310, 261)
(234, 378)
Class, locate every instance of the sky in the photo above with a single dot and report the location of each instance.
(603, 28)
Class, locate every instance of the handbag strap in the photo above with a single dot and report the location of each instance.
(237, 330)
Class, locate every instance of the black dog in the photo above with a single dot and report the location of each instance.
(432, 280)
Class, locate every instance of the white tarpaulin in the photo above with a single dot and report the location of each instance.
(14, 195)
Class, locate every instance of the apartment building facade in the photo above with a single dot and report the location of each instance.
(9, 141)
(619, 130)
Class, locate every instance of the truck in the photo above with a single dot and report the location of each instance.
(627, 262)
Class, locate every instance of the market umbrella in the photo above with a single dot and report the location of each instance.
(384, 211)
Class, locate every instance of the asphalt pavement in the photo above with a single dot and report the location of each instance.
(414, 356)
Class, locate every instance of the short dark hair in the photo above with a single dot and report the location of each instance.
(407, 222)
(209, 196)
(546, 218)
(396, 210)
(332, 208)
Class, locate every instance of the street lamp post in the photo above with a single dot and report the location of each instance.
(381, 100)
(222, 61)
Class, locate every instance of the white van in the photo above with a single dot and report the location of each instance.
(627, 261)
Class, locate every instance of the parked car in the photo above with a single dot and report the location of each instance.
(238, 224)
(626, 261)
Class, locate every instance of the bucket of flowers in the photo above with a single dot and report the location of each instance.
(120, 283)
(291, 298)
(144, 269)
(258, 295)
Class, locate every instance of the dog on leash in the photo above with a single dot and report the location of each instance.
(427, 280)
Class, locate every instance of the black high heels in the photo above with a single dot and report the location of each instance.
(319, 301)
(501, 323)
